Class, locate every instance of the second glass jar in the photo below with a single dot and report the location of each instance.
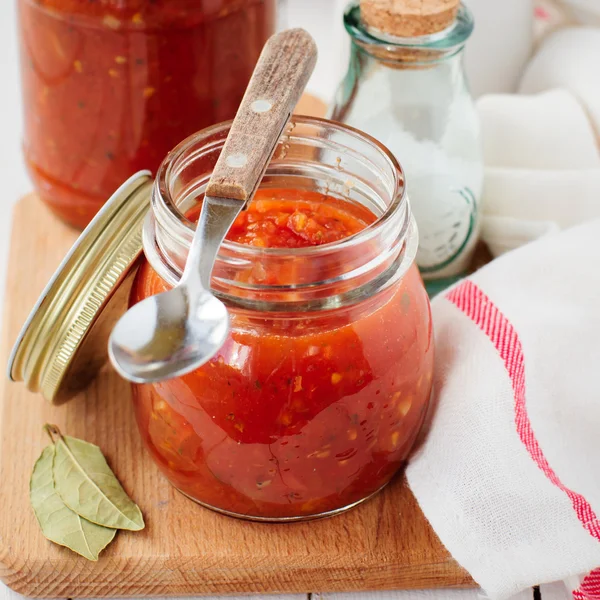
(110, 87)
(315, 400)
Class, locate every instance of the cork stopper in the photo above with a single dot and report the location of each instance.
(409, 18)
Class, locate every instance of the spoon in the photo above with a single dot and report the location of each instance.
(175, 332)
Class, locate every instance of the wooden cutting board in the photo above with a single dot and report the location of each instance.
(185, 549)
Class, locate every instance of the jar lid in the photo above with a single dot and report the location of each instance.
(63, 343)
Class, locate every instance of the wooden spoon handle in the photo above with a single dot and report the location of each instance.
(281, 74)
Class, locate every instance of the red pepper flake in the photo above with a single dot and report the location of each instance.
(298, 383)
(111, 22)
(404, 406)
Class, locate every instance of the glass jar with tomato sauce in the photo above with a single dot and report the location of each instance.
(110, 86)
(316, 398)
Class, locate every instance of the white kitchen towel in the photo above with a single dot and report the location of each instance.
(544, 131)
(566, 197)
(568, 58)
(542, 167)
(584, 11)
(550, 15)
(508, 474)
(507, 233)
(541, 146)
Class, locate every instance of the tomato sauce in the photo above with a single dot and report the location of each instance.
(110, 87)
(286, 218)
(298, 414)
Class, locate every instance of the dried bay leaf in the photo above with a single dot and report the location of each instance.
(58, 522)
(87, 485)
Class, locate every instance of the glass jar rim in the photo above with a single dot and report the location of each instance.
(332, 158)
(452, 37)
(182, 225)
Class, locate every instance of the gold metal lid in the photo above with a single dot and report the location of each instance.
(63, 343)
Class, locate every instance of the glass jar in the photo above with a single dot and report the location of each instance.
(316, 398)
(110, 87)
(412, 95)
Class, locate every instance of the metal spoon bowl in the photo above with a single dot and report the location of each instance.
(182, 333)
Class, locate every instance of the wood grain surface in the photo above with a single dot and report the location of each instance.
(384, 544)
(185, 549)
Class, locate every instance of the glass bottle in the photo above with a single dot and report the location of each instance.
(411, 94)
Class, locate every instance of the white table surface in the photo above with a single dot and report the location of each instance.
(318, 16)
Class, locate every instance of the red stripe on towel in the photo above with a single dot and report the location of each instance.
(481, 310)
(589, 588)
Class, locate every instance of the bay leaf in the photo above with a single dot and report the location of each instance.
(88, 486)
(58, 522)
